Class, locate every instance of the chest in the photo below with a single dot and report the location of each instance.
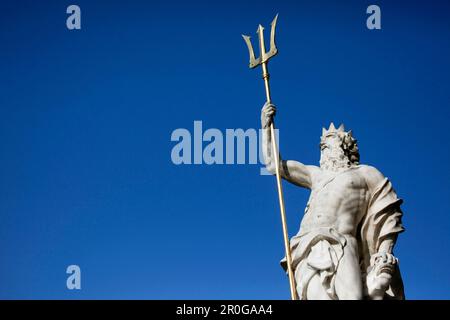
(344, 184)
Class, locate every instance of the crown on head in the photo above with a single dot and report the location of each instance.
(333, 131)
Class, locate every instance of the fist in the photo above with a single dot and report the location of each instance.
(384, 257)
(267, 113)
(379, 278)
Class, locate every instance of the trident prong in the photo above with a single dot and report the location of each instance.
(264, 56)
(253, 61)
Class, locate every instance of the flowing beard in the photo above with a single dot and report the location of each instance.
(334, 161)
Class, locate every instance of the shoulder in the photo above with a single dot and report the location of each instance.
(370, 171)
(314, 172)
(372, 175)
(313, 169)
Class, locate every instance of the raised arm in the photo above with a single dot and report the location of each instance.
(290, 170)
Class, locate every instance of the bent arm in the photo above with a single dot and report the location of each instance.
(290, 170)
(388, 237)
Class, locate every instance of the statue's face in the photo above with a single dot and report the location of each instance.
(332, 156)
(329, 144)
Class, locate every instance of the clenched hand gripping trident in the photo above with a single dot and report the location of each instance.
(263, 61)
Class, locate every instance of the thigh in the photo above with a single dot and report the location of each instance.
(309, 283)
(348, 283)
(315, 290)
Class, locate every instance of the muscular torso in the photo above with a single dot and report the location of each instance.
(337, 200)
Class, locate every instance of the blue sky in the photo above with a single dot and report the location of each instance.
(86, 118)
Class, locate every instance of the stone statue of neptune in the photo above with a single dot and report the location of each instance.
(344, 248)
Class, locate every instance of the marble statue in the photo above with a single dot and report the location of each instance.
(344, 248)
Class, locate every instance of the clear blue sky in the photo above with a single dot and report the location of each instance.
(86, 116)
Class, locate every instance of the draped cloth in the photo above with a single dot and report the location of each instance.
(383, 219)
(321, 250)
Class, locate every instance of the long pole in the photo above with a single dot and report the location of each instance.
(275, 156)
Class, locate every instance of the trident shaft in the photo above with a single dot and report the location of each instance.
(263, 60)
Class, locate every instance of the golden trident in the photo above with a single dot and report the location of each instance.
(263, 60)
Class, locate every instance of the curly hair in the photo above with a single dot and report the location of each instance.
(350, 147)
